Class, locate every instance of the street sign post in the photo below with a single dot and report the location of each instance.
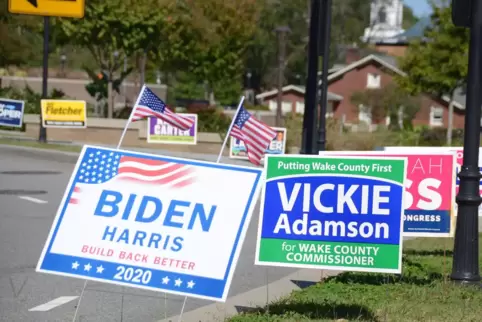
(47, 8)
(54, 8)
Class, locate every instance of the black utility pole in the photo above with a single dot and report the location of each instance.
(465, 267)
(325, 34)
(281, 32)
(309, 117)
(42, 137)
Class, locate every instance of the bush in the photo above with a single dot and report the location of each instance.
(256, 107)
(210, 119)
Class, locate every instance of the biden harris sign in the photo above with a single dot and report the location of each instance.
(11, 112)
(152, 222)
(340, 213)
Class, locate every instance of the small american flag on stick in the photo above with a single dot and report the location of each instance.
(256, 135)
(148, 104)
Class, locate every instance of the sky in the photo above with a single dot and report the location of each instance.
(420, 7)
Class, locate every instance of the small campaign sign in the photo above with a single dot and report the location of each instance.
(64, 113)
(152, 222)
(159, 131)
(326, 212)
(237, 148)
(429, 191)
(11, 112)
(459, 158)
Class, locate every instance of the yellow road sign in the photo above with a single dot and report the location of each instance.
(55, 8)
(64, 113)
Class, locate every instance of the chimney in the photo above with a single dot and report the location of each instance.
(352, 55)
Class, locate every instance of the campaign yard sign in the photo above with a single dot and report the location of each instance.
(237, 149)
(459, 158)
(326, 212)
(11, 112)
(159, 131)
(429, 191)
(152, 222)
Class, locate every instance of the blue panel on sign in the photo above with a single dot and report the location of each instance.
(11, 112)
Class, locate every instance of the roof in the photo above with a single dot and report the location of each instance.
(417, 30)
(391, 63)
(299, 89)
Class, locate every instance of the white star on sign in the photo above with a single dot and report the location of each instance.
(190, 284)
(165, 280)
(100, 269)
(87, 267)
(177, 282)
(75, 265)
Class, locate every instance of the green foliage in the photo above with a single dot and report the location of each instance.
(31, 98)
(256, 107)
(437, 64)
(97, 88)
(210, 119)
(391, 101)
(421, 293)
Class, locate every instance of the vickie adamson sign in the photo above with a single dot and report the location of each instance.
(340, 213)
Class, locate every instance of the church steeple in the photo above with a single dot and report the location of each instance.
(385, 20)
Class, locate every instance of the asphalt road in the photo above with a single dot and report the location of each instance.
(28, 203)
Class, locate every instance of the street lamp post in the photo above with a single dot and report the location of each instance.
(325, 44)
(281, 31)
(63, 59)
(309, 117)
(465, 268)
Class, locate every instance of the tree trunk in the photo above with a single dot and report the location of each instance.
(110, 100)
(143, 67)
(450, 120)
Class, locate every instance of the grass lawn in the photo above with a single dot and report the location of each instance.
(36, 144)
(422, 293)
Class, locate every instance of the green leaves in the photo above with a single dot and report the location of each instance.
(437, 64)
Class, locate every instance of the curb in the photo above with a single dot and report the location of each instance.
(252, 299)
(71, 157)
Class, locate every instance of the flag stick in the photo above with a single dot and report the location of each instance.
(130, 117)
(230, 128)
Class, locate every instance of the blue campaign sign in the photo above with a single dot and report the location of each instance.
(152, 222)
(340, 213)
(11, 112)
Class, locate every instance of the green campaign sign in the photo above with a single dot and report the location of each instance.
(340, 213)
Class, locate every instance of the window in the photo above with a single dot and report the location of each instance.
(382, 15)
(373, 80)
(436, 116)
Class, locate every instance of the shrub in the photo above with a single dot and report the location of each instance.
(256, 107)
(210, 119)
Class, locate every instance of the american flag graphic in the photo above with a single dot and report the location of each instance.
(256, 135)
(99, 166)
(151, 105)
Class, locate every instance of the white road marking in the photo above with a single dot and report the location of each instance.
(53, 304)
(32, 199)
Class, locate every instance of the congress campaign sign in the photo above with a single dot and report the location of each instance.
(237, 148)
(429, 191)
(340, 213)
(459, 158)
(152, 222)
(159, 131)
(11, 112)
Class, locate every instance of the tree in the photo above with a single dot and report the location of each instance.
(437, 64)
(216, 55)
(391, 101)
(114, 29)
